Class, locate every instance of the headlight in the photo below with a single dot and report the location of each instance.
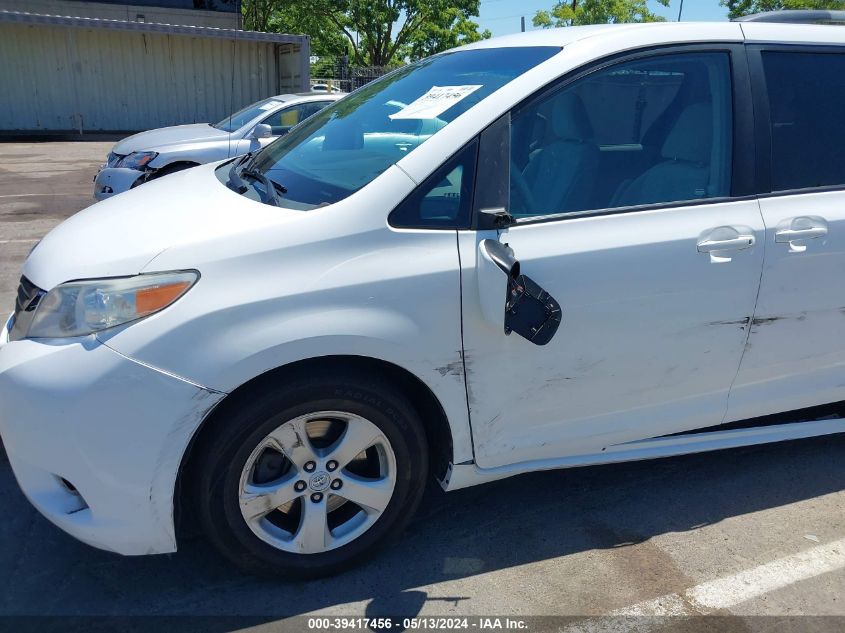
(79, 308)
(137, 160)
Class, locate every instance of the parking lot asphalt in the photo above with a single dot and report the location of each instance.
(753, 533)
(41, 184)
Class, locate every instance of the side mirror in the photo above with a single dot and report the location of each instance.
(262, 130)
(529, 310)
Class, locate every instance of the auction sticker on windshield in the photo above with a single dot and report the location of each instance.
(434, 102)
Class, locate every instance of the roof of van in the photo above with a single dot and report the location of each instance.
(549, 37)
(667, 32)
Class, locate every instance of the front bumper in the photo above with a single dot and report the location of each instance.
(111, 181)
(96, 440)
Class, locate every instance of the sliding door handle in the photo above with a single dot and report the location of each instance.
(810, 233)
(795, 231)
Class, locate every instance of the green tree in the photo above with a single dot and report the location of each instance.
(452, 28)
(326, 40)
(256, 14)
(294, 16)
(381, 32)
(578, 12)
(378, 32)
(738, 8)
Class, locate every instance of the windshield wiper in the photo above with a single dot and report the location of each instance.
(272, 187)
(239, 186)
(236, 178)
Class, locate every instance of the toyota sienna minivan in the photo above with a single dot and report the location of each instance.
(557, 248)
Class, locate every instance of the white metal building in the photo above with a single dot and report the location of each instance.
(64, 74)
(222, 14)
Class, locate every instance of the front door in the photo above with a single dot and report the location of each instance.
(620, 183)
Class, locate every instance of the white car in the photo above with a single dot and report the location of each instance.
(149, 155)
(551, 249)
(324, 88)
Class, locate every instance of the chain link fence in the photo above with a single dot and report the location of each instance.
(336, 74)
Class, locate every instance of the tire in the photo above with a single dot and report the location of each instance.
(259, 448)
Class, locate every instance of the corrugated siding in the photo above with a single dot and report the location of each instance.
(60, 78)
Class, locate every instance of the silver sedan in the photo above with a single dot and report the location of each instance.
(155, 153)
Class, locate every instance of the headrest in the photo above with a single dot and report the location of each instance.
(692, 136)
(569, 118)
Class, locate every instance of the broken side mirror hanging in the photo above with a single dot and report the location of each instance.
(530, 311)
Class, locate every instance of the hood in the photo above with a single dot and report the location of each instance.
(162, 137)
(119, 236)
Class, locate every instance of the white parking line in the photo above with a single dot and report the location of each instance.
(722, 593)
(26, 241)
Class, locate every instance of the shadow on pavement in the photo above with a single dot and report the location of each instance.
(518, 521)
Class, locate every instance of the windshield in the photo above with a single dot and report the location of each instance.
(247, 114)
(349, 143)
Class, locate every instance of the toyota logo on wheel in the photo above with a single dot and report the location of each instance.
(319, 481)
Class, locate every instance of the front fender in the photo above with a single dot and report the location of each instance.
(331, 281)
(237, 355)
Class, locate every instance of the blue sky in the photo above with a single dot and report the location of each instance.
(502, 16)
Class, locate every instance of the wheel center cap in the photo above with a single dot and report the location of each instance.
(319, 481)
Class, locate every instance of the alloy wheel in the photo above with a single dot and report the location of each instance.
(317, 482)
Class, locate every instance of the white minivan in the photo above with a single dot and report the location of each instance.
(551, 249)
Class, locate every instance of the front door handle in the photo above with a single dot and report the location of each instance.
(731, 244)
(789, 235)
(718, 242)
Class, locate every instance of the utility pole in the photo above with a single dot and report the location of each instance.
(681, 10)
(522, 20)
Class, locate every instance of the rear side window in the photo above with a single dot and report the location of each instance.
(806, 96)
(643, 132)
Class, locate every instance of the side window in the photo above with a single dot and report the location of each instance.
(641, 132)
(312, 108)
(806, 92)
(282, 121)
(444, 199)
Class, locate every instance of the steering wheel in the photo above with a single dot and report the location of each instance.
(522, 190)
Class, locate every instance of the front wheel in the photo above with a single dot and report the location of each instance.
(310, 478)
